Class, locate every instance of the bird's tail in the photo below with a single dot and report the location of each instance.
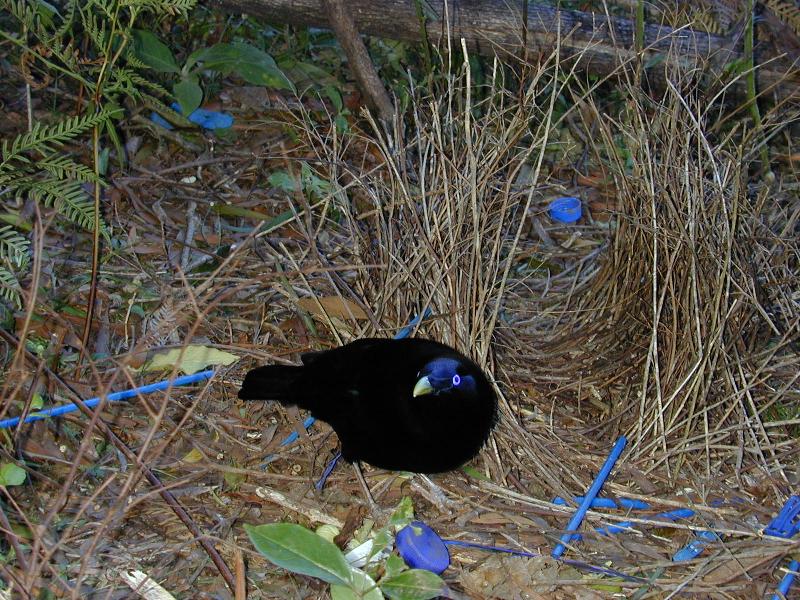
(273, 382)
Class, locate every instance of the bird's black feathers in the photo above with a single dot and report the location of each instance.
(406, 405)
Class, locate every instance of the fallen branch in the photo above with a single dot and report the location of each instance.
(598, 43)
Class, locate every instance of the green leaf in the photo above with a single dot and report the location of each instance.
(252, 64)
(394, 566)
(313, 184)
(334, 96)
(282, 180)
(414, 584)
(342, 592)
(473, 472)
(403, 514)
(153, 52)
(188, 93)
(299, 550)
(11, 474)
(363, 587)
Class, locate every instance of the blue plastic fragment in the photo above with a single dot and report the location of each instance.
(57, 411)
(787, 581)
(161, 121)
(207, 119)
(577, 518)
(786, 524)
(565, 210)
(293, 436)
(626, 503)
(678, 513)
(596, 503)
(327, 472)
(422, 548)
(616, 528)
(631, 504)
(406, 331)
(696, 546)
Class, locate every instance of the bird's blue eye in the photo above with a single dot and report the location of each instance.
(456, 379)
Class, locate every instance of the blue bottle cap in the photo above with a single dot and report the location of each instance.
(422, 548)
(565, 210)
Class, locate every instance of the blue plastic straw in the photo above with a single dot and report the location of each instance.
(577, 518)
(787, 581)
(57, 411)
(575, 563)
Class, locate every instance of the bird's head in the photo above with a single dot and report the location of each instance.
(443, 375)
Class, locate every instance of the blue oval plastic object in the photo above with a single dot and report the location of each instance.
(565, 210)
(422, 548)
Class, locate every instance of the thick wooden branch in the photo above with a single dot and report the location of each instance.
(598, 43)
(367, 76)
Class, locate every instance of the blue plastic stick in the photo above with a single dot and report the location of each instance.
(57, 411)
(327, 472)
(577, 518)
(293, 436)
(787, 581)
(406, 331)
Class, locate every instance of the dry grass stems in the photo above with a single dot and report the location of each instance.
(671, 316)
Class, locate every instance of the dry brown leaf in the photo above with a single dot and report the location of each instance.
(334, 306)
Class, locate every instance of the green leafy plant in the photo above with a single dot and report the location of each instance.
(302, 551)
(103, 70)
(252, 64)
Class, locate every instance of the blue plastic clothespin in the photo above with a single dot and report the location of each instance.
(787, 581)
(786, 524)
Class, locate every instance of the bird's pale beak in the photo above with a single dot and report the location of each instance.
(423, 387)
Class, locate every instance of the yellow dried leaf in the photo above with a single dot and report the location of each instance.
(193, 456)
(189, 360)
(335, 306)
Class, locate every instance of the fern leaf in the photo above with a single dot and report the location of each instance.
(44, 138)
(159, 7)
(10, 288)
(787, 11)
(64, 167)
(13, 247)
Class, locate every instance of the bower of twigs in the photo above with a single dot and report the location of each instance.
(669, 314)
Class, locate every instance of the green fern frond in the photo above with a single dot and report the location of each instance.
(159, 7)
(13, 247)
(69, 199)
(63, 167)
(10, 288)
(23, 12)
(131, 83)
(95, 27)
(69, 19)
(79, 208)
(787, 11)
(44, 138)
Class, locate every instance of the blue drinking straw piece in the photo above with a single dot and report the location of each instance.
(577, 518)
(57, 411)
(406, 331)
(787, 581)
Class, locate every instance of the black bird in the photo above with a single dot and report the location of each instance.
(404, 405)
